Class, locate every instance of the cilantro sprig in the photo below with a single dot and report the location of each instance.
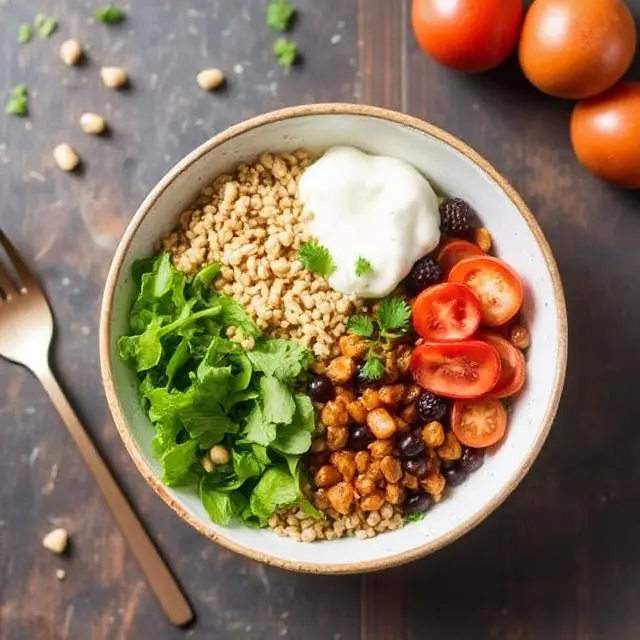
(391, 322)
(109, 14)
(286, 52)
(45, 25)
(25, 33)
(279, 14)
(363, 267)
(18, 103)
(316, 258)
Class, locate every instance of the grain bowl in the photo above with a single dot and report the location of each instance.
(234, 201)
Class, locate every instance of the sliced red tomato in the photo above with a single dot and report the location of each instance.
(455, 251)
(496, 284)
(512, 373)
(468, 369)
(479, 423)
(446, 312)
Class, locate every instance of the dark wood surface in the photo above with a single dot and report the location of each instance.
(560, 560)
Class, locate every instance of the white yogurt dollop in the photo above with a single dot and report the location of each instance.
(373, 207)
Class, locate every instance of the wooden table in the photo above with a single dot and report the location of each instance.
(559, 560)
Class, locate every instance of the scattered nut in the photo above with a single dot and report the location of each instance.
(519, 337)
(482, 238)
(219, 454)
(56, 540)
(71, 52)
(61, 574)
(65, 157)
(93, 123)
(210, 79)
(114, 77)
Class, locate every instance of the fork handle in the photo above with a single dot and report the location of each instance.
(162, 583)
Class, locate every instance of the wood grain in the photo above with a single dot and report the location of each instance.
(558, 561)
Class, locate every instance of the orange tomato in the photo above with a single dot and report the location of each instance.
(577, 48)
(605, 133)
(467, 35)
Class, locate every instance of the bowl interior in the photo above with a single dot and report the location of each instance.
(452, 171)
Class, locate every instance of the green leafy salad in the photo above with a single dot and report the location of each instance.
(200, 388)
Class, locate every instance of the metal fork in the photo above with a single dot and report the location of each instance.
(26, 330)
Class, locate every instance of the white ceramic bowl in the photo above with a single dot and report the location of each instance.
(456, 170)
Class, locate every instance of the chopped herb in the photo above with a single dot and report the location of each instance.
(414, 517)
(373, 368)
(363, 267)
(393, 316)
(18, 103)
(285, 52)
(45, 25)
(25, 33)
(279, 14)
(316, 258)
(360, 326)
(392, 321)
(109, 14)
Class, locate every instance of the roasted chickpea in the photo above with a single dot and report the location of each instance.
(411, 394)
(433, 434)
(365, 485)
(327, 476)
(337, 437)
(381, 423)
(395, 493)
(372, 502)
(371, 399)
(410, 481)
(345, 395)
(391, 394)
(451, 449)
(357, 411)
(380, 448)
(321, 500)
(433, 484)
(362, 460)
(353, 346)
(341, 496)
(391, 469)
(374, 471)
(341, 369)
(344, 462)
(402, 426)
(403, 357)
(334, 413)
(410, 414)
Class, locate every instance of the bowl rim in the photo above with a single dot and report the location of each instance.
(114, 274)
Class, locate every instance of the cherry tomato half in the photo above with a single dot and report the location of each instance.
(512, 373)
(496, 284)
(467, 35)
(468, 369)
(446, 312)
(455, 251)
(479, 423)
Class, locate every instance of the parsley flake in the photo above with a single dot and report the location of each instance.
(18, 103)
(285, 52)
(279, 14)
(109, 14)
(363, 267)
(316, 258)
(414, 517)
(360, 326)
(25, 33)
(45, 25)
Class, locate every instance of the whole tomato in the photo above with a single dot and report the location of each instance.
(605, 133)
(577, 48)
(468, 35)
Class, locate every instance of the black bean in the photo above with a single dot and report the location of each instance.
(471, 460)
(360, 438)
(409, 446)
(417, 501)
(416, 466)
(455, 476)
(321, 389)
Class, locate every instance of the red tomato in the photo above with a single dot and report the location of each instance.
(479, 423)
(577, 48)
(605, 133)
(496, 284)
(468, 369)
(454, 251)
(468, 35)
(512, 372)
(446, 312)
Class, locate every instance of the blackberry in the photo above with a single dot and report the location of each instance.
(456, 216)
(423, 274)
(430, 406)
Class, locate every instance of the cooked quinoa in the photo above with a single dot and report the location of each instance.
(252, 222)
